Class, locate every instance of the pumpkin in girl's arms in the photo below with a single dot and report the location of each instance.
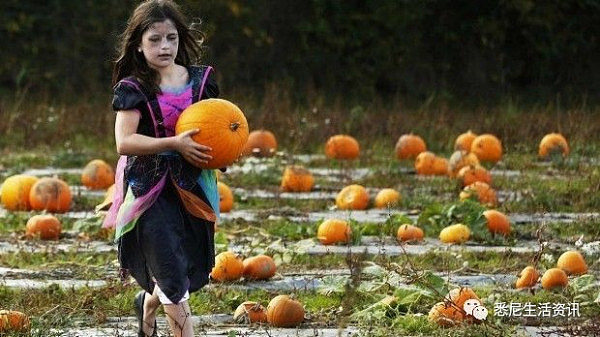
(342, 147)
(44, 226)
(13, 321)
(14, 193)
(97, 175)
(225, 197)
(261, 143)
(50, 194)
(284, 312)
(223, 128)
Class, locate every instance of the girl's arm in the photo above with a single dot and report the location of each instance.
(131, 143)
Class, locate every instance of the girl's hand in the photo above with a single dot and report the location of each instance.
(193, 152)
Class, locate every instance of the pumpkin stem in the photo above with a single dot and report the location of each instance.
(234, 126)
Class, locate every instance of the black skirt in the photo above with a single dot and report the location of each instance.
(169, 245)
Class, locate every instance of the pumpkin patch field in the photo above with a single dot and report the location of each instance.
(465, 237)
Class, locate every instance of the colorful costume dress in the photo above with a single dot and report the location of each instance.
(165, 208)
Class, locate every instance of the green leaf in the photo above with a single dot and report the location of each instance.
(333, 284)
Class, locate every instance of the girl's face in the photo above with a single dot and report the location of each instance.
(159, 44)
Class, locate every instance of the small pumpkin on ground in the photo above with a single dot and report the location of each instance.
(284, 312)
(226, 199)
(250, 312)
(228, 267)
(387, 198)
(353, 197)
(297, 179)
(334, 231)
(259, 267)
(572, 262)
(460, 295)
(261, 143)
(487, 148)
(425, 163)
(50, 194)
(527, 278)
(460, 159)
(553, 143)
(223, 127)
(554, 278)
(14, 193)
(342, 147)
(408, 232)
(409, 146)
(457, 233)
(464, 140)
(97, 175)
(445, 314)
(497, 222)
(13, 321)
(485, 194)
(472, 173)
(44, 226)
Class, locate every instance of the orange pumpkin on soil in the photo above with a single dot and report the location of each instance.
(472, 173)
(408, 232)
(425, 163)
(440, 166)
(482, 191)
(13, 321)
(445, 314)
(97, 175)
(228, 267)
(50, 194)
(572, 262)
(457, 233)
(259, 267)
(14, 193)
(334, 231)
(44, 226)
(284, 312)
(225, 197)
(497, 222)
(553, 143)
(409, 146)
(342, 147)
(250, 312)
(460, 295)
(387, 198)
(297, 179)
(464, 140)
(487, 148)
(352, 197)
(261, 143)
(460, 159)
(527, 278)
(223, 128)
(554, 278)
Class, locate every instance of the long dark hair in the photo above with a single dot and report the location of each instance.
(132, 63)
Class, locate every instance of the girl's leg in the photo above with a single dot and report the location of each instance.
(179, 317)
(151, 303)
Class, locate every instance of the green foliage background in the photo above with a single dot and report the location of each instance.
(476, 50)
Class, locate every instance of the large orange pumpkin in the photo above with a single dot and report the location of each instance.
(572, 262)
(223, 128)
(97, 175)
(228, 267)
(225, 197)
(284, 312)
(13, 321)
(352, 197)
(342, 147)
(261, 143)
(487, 148)
(14, 193)
(44, 226)
(497, 222)
(332, 231)
(409, 146)
(464, 140)
(297, 179)
(50, 194)
(250, 312)
(259, 267)
(553, 143)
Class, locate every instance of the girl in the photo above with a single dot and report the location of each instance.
(165, 207)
